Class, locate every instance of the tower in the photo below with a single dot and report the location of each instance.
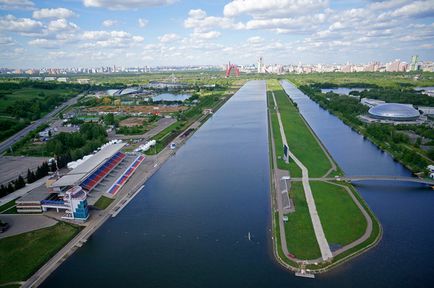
(260, 65)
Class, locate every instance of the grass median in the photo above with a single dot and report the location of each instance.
(300, 139)
(342, 220)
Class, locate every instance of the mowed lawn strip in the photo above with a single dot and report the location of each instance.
(23, 254)
(342, 220)
(300, 236)
(292, 167)
(300, 139)
(103, 202)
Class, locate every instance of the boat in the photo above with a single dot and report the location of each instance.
(249, 236)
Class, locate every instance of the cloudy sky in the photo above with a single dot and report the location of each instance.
(85, 33)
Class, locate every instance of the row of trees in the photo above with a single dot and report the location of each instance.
(31, 177)
(387, 137)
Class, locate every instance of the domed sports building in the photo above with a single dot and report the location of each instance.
(394, 111)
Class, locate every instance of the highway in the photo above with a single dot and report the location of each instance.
(22, 133)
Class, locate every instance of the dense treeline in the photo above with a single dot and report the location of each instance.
(73, 146)
(13, 85)
(343, 105)
(25, 101)
(31, 177)
(387, 137)
(391, 95)
(66, 147)
(327, 85)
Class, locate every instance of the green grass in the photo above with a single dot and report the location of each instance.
(23, 254)
(300, 139)
(103, 202)
(291, 166)
(342, 220)
(8, 208)
(300, 236)
(372, 240)
(279, 243)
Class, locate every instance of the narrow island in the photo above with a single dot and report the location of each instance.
(317, 223)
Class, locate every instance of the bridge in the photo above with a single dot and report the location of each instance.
(232, 67)
(372, 178)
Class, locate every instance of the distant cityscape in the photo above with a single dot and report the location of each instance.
(415, 64)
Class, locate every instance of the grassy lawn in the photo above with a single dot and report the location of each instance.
(300, 139)
(279, 243)
(300, 236)
(291, 166)
(373, 238)
(23, 254)
(342, 220)
(8, 208)
(103, 202)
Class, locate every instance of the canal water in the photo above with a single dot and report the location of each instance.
(188, 226)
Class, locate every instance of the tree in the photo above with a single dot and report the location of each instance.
(109, 119)
(19, 183)
(30, 176)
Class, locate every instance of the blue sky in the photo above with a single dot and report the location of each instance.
(87, 33)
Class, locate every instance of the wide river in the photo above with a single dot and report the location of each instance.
(188, 226)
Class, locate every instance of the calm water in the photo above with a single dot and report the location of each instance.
(171, 97)
(342, 90)
(189, 225)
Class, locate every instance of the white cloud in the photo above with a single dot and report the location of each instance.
(197, 13)
(199, 21)
(53, 13)
(206, 35)
(109, 23)
(110, 39)
(143, 22)
(61, 25)
(20, 25)
(16, 5)
(274, 8)
(416, 9)
(255, 40)
(126, 4)
(168, 38)
(6, 40)
(44, 43)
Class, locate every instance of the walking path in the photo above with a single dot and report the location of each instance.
(278, 173)
(326, 253)
(144, 171)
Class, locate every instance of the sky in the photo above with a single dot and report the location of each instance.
(136, 33)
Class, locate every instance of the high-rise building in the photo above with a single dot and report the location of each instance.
(414, 65)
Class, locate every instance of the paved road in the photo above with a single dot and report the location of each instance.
(15, 138)
(324, 247)
(25, 223)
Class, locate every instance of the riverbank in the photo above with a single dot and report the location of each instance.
(344, 234)
(392, 139)
(144, 171)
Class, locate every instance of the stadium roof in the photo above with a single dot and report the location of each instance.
(86, 168)
(394, 111)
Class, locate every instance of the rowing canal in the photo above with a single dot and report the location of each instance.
(188, 226)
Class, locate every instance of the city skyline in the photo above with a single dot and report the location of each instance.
(134, 33)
